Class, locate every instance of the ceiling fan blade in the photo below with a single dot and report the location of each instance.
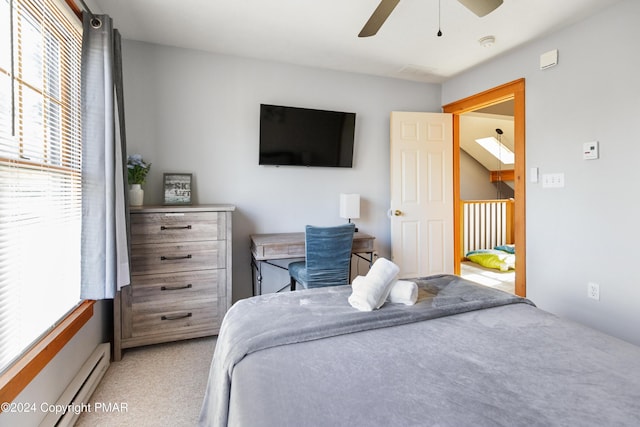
(378, 17)
(481, 7)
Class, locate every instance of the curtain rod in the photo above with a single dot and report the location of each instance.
(85, 7)
(76, 9)
(95, 22)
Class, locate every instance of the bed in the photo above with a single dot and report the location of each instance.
(463, 355)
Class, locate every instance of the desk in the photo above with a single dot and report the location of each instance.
(268, 247)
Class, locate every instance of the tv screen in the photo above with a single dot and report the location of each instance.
(305, 137)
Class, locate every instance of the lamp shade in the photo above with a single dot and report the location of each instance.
(349, 206)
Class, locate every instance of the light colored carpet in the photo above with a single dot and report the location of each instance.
(159, 385)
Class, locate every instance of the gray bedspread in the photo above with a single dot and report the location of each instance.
(512, 366)
(273, 320)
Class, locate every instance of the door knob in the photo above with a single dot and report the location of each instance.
(397, 212)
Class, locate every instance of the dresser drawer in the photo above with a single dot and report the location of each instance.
(177, 257)
(170, 227)
(177, 317)
(160, 289)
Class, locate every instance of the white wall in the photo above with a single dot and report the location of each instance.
(191, 111)
(586, 231)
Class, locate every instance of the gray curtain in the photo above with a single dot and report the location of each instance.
(105, 255)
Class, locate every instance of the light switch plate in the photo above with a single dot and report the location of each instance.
(552, 180)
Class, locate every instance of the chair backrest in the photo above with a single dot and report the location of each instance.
(328, 254)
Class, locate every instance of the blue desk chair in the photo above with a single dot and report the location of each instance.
(328, 257)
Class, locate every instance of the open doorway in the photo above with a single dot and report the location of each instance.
(487, 161)
(510, 95)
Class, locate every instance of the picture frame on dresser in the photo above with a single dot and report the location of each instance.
(177, 188)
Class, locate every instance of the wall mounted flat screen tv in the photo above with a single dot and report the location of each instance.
(292, 136)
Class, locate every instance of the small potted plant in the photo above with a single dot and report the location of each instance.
(137, 170)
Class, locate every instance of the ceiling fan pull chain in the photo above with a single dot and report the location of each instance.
(439, 17)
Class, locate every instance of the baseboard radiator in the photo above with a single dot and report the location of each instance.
(486, 224)
(81, 388)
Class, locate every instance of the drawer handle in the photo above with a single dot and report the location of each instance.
(176, 317)
(177, 227)
(172, 258)
(176, 288)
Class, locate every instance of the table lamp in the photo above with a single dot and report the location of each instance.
(350, 206)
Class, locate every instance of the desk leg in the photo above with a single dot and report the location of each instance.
(256, 281)
(370, 259)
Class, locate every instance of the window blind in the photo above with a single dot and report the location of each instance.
(40, 170)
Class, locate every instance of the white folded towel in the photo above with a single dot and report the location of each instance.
(371, 291)
(403, 292)
(361, 297)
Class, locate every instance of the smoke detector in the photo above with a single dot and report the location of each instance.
(487, 41)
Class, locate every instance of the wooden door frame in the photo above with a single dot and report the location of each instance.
(514, 90)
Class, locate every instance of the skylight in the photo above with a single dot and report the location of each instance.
(497, 149)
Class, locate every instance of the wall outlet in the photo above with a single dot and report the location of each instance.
(593, 291)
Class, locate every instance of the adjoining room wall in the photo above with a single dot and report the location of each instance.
(474, 180)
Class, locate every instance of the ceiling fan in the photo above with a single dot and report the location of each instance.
(384, 9)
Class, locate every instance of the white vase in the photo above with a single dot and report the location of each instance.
(136, 195)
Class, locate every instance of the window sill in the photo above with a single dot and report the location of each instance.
(20, 374)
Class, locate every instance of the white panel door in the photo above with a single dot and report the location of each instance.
(422, 193)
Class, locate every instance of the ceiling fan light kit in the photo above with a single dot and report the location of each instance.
(384, 9)
(481, 7)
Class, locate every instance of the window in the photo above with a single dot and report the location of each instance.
(497, 150)
(40, 170)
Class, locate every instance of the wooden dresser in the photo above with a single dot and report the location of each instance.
(180, 275)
